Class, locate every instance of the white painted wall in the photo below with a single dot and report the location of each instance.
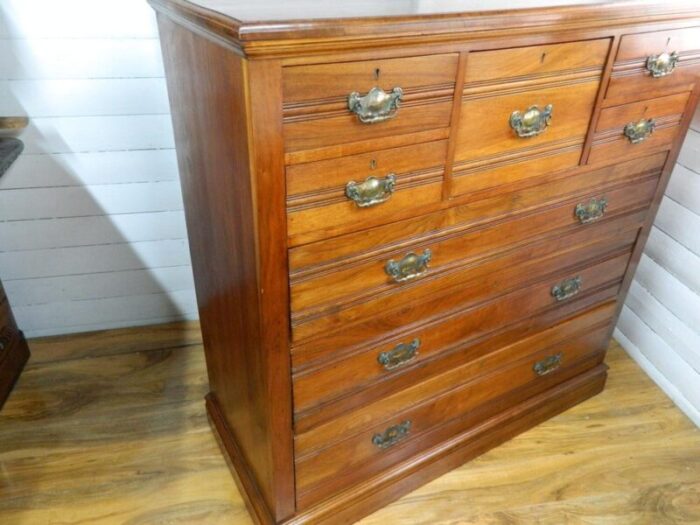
(92, 232)
(660, 323)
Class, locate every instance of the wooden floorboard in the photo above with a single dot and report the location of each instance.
(112, 429)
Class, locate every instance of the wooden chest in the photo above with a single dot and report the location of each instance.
(14, 351)
(412, 227)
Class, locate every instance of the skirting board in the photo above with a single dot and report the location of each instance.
(664, 384)
(357, 502)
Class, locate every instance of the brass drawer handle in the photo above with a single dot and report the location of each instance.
(410, 267)
(400, 355)
(376, 106)
(638, 132)
(548, 364)
(662, 65)
(392, 435)
(567, 288)
(372, 191)
(532, 122)
(592, 211)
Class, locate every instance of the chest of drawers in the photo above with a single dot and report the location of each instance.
(412, 227)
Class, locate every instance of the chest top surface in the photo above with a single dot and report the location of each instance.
(252, 26)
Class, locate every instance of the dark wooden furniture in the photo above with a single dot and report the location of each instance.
(14, 351)
(412, 231)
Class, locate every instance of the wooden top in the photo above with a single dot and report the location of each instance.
(267, 27)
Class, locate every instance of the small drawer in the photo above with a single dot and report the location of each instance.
(330, 197)
(452, 258)
(493, 129)
(348, 102)
(536, 62)
(655, 64)
(364, 442)
(637, 128)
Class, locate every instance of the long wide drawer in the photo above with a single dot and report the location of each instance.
(373, 438)
(452, 256)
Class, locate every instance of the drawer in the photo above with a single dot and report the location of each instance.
(393, 97)
(334, 253)
(320, 83)
(536, 62)
(364, 442)
(454, 256)
(632, 79)
(329, 197)
(485, 131)
(637, 128)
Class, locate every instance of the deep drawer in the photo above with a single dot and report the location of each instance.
(366, 441)
(452, 254)
(632, 77)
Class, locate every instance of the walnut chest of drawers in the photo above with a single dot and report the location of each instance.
(412, 225)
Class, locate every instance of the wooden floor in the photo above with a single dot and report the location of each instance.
(110, 428)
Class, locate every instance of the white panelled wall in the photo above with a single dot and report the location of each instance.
(660, 323)
(92, 232)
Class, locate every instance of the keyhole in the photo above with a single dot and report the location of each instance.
(542, 58)
(377, 72)
(372, 164)
(668, 41)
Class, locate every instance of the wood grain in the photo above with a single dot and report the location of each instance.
(125, 439)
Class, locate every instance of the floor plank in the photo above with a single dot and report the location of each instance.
(113, 431)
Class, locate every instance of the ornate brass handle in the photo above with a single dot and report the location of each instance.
(410, 267)
(532, 122)
(548, 364)
(567, 288)
(638, 132)
(400, 355)
(662, 65)
(392, 435)
(376, 106)
(372, 191)
(592, 211)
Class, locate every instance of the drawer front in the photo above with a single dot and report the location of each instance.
(334, 104)
(638, 128)
(375, 438)
(331, 197)
(536, 62)
(485, 130)
(345, 371)
(637, 75)
(334, 253)
(453, 257)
